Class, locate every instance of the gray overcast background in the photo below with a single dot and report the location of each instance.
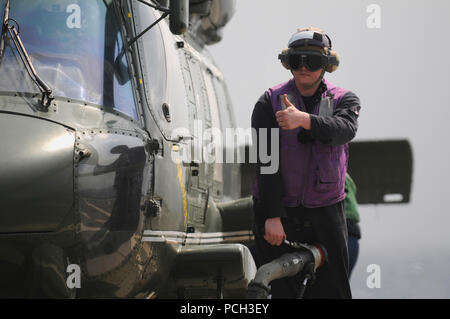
(400, 72)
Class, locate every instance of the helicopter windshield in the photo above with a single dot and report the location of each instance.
(73, 45)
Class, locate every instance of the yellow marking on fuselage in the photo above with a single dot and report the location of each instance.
(183, 189)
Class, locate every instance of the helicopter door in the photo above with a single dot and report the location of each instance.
(216, 138)
(199, 179)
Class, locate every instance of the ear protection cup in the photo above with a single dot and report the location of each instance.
(333, 66)
(283, 56)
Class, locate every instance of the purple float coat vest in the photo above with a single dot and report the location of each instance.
(314, 173)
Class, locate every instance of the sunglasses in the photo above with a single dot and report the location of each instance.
(312, 61)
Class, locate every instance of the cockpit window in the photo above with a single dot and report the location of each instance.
(73, 45)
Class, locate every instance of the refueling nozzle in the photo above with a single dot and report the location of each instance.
(307, 257)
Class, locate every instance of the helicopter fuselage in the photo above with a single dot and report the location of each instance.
(95, 179)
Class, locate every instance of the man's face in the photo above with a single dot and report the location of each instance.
(306, 78)
(303, 76)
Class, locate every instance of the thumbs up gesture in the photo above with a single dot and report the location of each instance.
(290, 118)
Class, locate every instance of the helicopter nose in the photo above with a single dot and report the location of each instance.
(36, 173)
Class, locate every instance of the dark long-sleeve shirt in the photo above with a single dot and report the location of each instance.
(335, 130)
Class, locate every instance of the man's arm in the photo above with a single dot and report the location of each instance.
(342, 126)
(335, 130)
(270, 186)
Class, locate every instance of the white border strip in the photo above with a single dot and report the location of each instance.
(174, 237)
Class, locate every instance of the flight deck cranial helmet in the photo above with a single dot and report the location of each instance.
(309, 47)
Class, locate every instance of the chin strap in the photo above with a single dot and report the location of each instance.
(320, 77)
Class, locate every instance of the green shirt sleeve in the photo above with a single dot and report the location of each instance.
(351, 205)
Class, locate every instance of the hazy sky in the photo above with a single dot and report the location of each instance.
(398, 66)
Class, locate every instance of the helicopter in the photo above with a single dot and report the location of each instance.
(105, 107)
(87, 176)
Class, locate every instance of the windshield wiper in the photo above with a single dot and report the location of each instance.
(4, 29)
(47, 95)
(166, 12)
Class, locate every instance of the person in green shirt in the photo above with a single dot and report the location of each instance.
(352, 215)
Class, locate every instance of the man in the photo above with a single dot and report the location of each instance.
(303, 200)
(352, 216)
